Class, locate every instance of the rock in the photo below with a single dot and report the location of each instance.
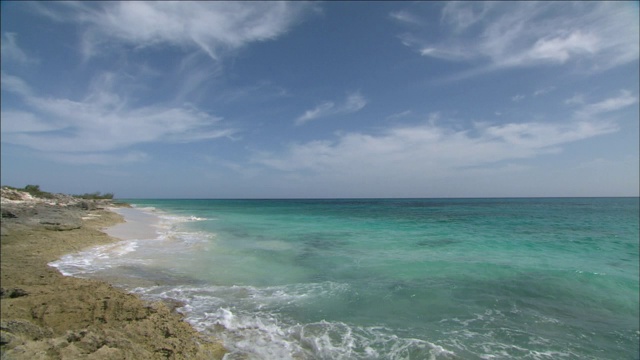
(62, 225)
(54, 219)
(12, 293)
(71, 318)
(24, 328)
(7, 338)
(87, 205)
(17, 212)
(15, 195)
(7, 214)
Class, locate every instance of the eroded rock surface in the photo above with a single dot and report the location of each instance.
(49, 316)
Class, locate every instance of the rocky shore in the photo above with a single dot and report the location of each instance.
(45, 315)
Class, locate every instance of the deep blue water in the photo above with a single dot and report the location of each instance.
(392, 278)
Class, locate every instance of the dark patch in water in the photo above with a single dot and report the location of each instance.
(437, 242)
(154, 275)
(325, 241)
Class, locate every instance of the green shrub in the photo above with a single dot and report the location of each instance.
(95, 196)
(35, 191)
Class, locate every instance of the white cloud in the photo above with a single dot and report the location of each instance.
(194, 73)
(517, 98)
(427, 150)
(611, 104)
(452, 54)
(354, 102)
(324, 109)
(11, 52)
(543, 91)
(434, 153)
(406, 17)
(21, 121)
(576, 99)
(14, 84)
(460, 15)
(102, 122)
(212, 26)
(399, 115)
(560, 48)
(590, 110)
(597, 35)
(98, 158)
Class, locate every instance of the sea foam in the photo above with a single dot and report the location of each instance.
(374, 280)
(249, 321)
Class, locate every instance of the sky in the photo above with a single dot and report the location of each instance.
(321, 99)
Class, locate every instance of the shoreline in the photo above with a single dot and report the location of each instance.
(45, 315)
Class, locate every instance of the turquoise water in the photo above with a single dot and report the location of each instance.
(392, 278)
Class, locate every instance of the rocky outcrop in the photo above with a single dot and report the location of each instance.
(22, 197)
(58, 213)
(61, 225)
(40, 214)
(12, 293)
(49, 316)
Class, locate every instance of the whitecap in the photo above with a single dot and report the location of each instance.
(249, 321)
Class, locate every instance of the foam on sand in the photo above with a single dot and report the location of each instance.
(138, 225)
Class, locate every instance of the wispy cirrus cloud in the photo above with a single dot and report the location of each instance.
(119, 111)
(576, 99)
(101, 123)
(212, 27)
(539, 92)
(12, 53)
(99, 158)
(406, 17)
(543, 91)
(429, 151)
(518, 97)
(15, 85)
(624, 99)
(596, 35)
(354, 102)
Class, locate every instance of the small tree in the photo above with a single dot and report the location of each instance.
(35, 191)
(32, 189)
(95, 196)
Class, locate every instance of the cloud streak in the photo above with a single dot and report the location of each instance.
(428, 151)
(595, 35)
(212, 27)
(608, 105)
(353, 103)
(100, 123)
(11, 52)
(406, 17)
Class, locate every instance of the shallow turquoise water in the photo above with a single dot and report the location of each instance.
(393, 278)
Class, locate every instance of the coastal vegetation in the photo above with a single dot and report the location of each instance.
(95, 196)
(35, 191)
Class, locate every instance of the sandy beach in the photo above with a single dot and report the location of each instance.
(49, 316)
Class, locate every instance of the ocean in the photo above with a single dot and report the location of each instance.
(535, 278)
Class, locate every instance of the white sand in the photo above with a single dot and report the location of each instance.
(138, 225)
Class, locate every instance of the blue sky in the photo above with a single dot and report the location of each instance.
(321, 99)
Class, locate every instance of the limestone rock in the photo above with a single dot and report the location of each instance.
(23, 328)
(62, 224)
(87, 205)
(12, 293)
(8, 214)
